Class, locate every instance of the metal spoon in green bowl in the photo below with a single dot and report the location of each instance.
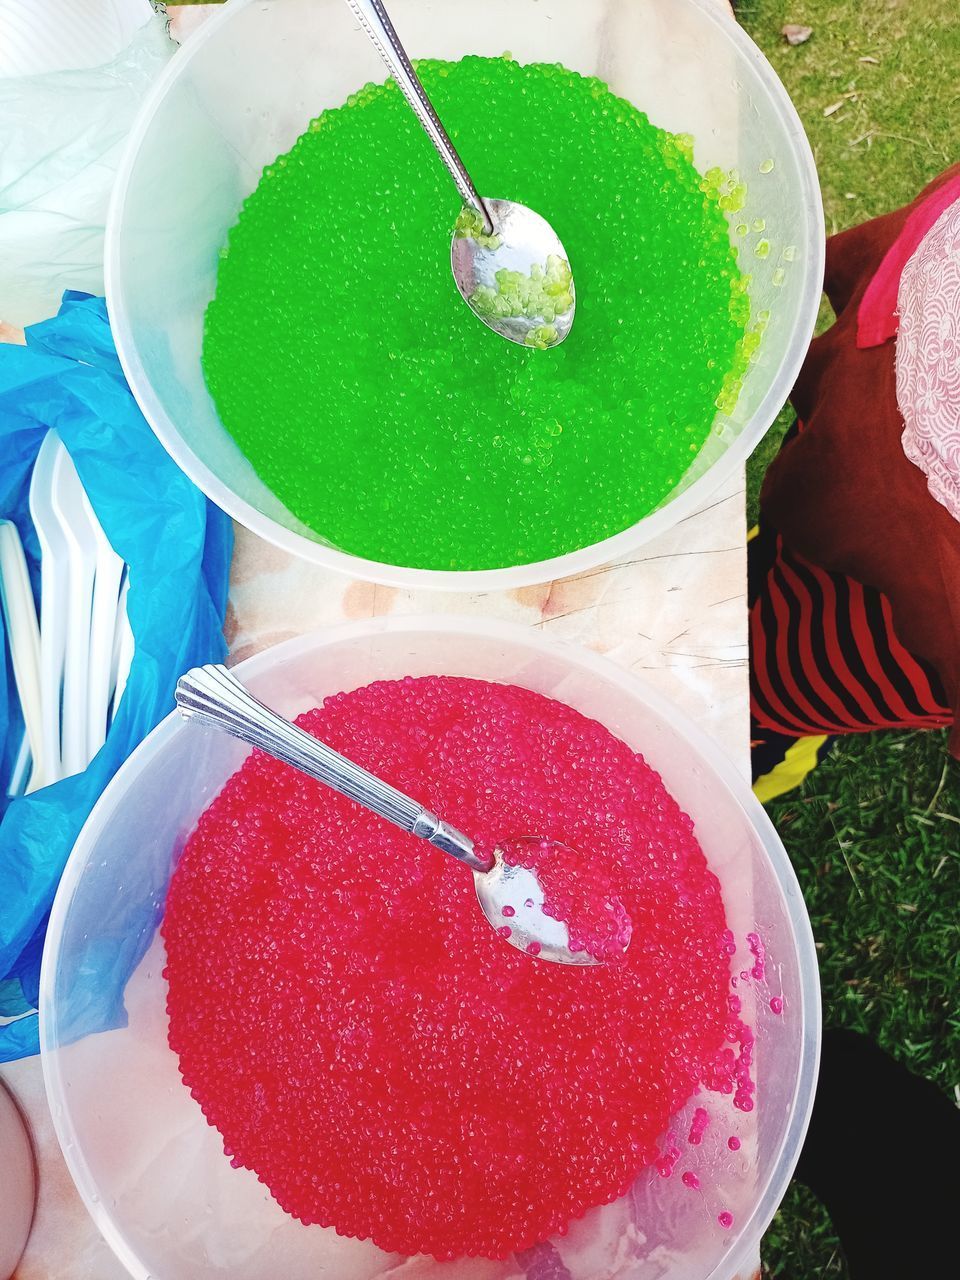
(508, 262)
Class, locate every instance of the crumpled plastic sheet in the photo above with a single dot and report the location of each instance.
(178, 548)
(63, 136)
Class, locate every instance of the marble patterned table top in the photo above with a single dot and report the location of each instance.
(674, 612)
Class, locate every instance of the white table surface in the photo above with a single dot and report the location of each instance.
(675, 612)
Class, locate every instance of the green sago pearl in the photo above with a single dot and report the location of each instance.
(385, 415)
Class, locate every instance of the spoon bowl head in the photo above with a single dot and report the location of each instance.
(513, 898)
(517, 279)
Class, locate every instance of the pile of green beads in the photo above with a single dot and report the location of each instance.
(385, 415)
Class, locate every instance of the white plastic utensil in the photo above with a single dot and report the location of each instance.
(23, 637)
(54, 589)
(85, 641)
(20, 774)
(70, 508)
(123, 647)
(104, 619)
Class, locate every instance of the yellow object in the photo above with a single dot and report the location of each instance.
(802, 758)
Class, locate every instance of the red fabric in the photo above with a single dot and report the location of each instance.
(834, 721)
(798, 689)
(843, 494)
(877, 319)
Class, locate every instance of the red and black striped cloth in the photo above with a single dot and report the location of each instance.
(855, 571)
(825, 658)
(824, 655)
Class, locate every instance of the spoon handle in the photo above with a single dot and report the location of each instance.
(375, 21)
(215, 698)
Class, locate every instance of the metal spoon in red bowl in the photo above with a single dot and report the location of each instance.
(510, 882)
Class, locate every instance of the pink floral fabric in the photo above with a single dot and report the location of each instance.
(877, 315)
(928, 358)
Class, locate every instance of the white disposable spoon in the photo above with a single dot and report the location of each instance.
(23, 637)
(54, 589)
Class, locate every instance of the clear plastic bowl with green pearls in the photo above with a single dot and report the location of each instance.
(247, 87)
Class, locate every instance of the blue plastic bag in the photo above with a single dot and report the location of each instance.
(178, 548)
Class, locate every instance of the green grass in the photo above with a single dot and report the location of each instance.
(801, 1244)
(875, 832)
(898, 122)
(874, 835)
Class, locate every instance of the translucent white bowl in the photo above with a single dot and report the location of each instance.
(245, 88)
(153, 1173)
